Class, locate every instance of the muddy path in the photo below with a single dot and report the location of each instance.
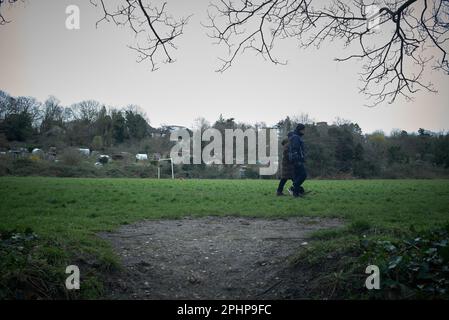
(211, 258)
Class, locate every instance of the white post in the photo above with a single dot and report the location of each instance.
(172, 168)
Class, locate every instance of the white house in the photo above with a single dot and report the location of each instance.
(141, 156)
(85, 152)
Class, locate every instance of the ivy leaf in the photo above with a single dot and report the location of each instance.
(393, 264)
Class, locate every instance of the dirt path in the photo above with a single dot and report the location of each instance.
(210, 258)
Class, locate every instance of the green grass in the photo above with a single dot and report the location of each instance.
(79, 207)
(71, 211)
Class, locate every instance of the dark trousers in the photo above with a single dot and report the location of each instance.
(299, 176)
(281, 186)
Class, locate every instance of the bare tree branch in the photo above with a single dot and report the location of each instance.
(396, 45)
(154, 29)
(3, 3)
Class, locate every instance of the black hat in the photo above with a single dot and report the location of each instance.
(300, 127)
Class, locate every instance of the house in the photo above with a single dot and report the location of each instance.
(84, 152)
(18, 153)
(141, 157)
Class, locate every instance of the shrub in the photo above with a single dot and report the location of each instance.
(4, 168)
(97, 143)
(413, 268)
(71, 157)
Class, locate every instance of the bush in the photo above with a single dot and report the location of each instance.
(25, 167)
(62, 170)
(4, 168)
(71, 157)
(28, 271)
(33, 268)
(413, 268)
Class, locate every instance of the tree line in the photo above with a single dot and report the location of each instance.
(339, 149)
(24, 119)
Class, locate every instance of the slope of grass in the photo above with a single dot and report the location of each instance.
(66, 213)
(82, 206)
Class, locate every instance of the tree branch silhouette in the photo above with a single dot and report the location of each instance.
(154, 29)
(396, 44)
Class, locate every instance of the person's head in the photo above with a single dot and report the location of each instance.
(300, 129)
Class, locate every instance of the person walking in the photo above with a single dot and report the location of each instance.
(286, 166)
(296, 156)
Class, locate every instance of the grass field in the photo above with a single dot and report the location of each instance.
(67, 213)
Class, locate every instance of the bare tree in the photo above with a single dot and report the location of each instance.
(200, 124)
(86, 110)
(155, 30)
(3, 3)
(303, 118)
(396, 44)
(20, 105)
(30, 106)
(52, 114)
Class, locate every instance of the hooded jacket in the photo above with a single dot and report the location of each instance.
(296, 149)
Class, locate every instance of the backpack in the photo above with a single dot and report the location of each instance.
(295, 156)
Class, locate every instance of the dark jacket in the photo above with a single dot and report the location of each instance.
(286, 165)
(296, 151)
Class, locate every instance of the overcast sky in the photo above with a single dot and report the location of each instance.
(40, 57)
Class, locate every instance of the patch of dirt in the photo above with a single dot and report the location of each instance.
(211, 258)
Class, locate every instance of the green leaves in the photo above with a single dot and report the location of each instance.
(394, 262)
(416, 267)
